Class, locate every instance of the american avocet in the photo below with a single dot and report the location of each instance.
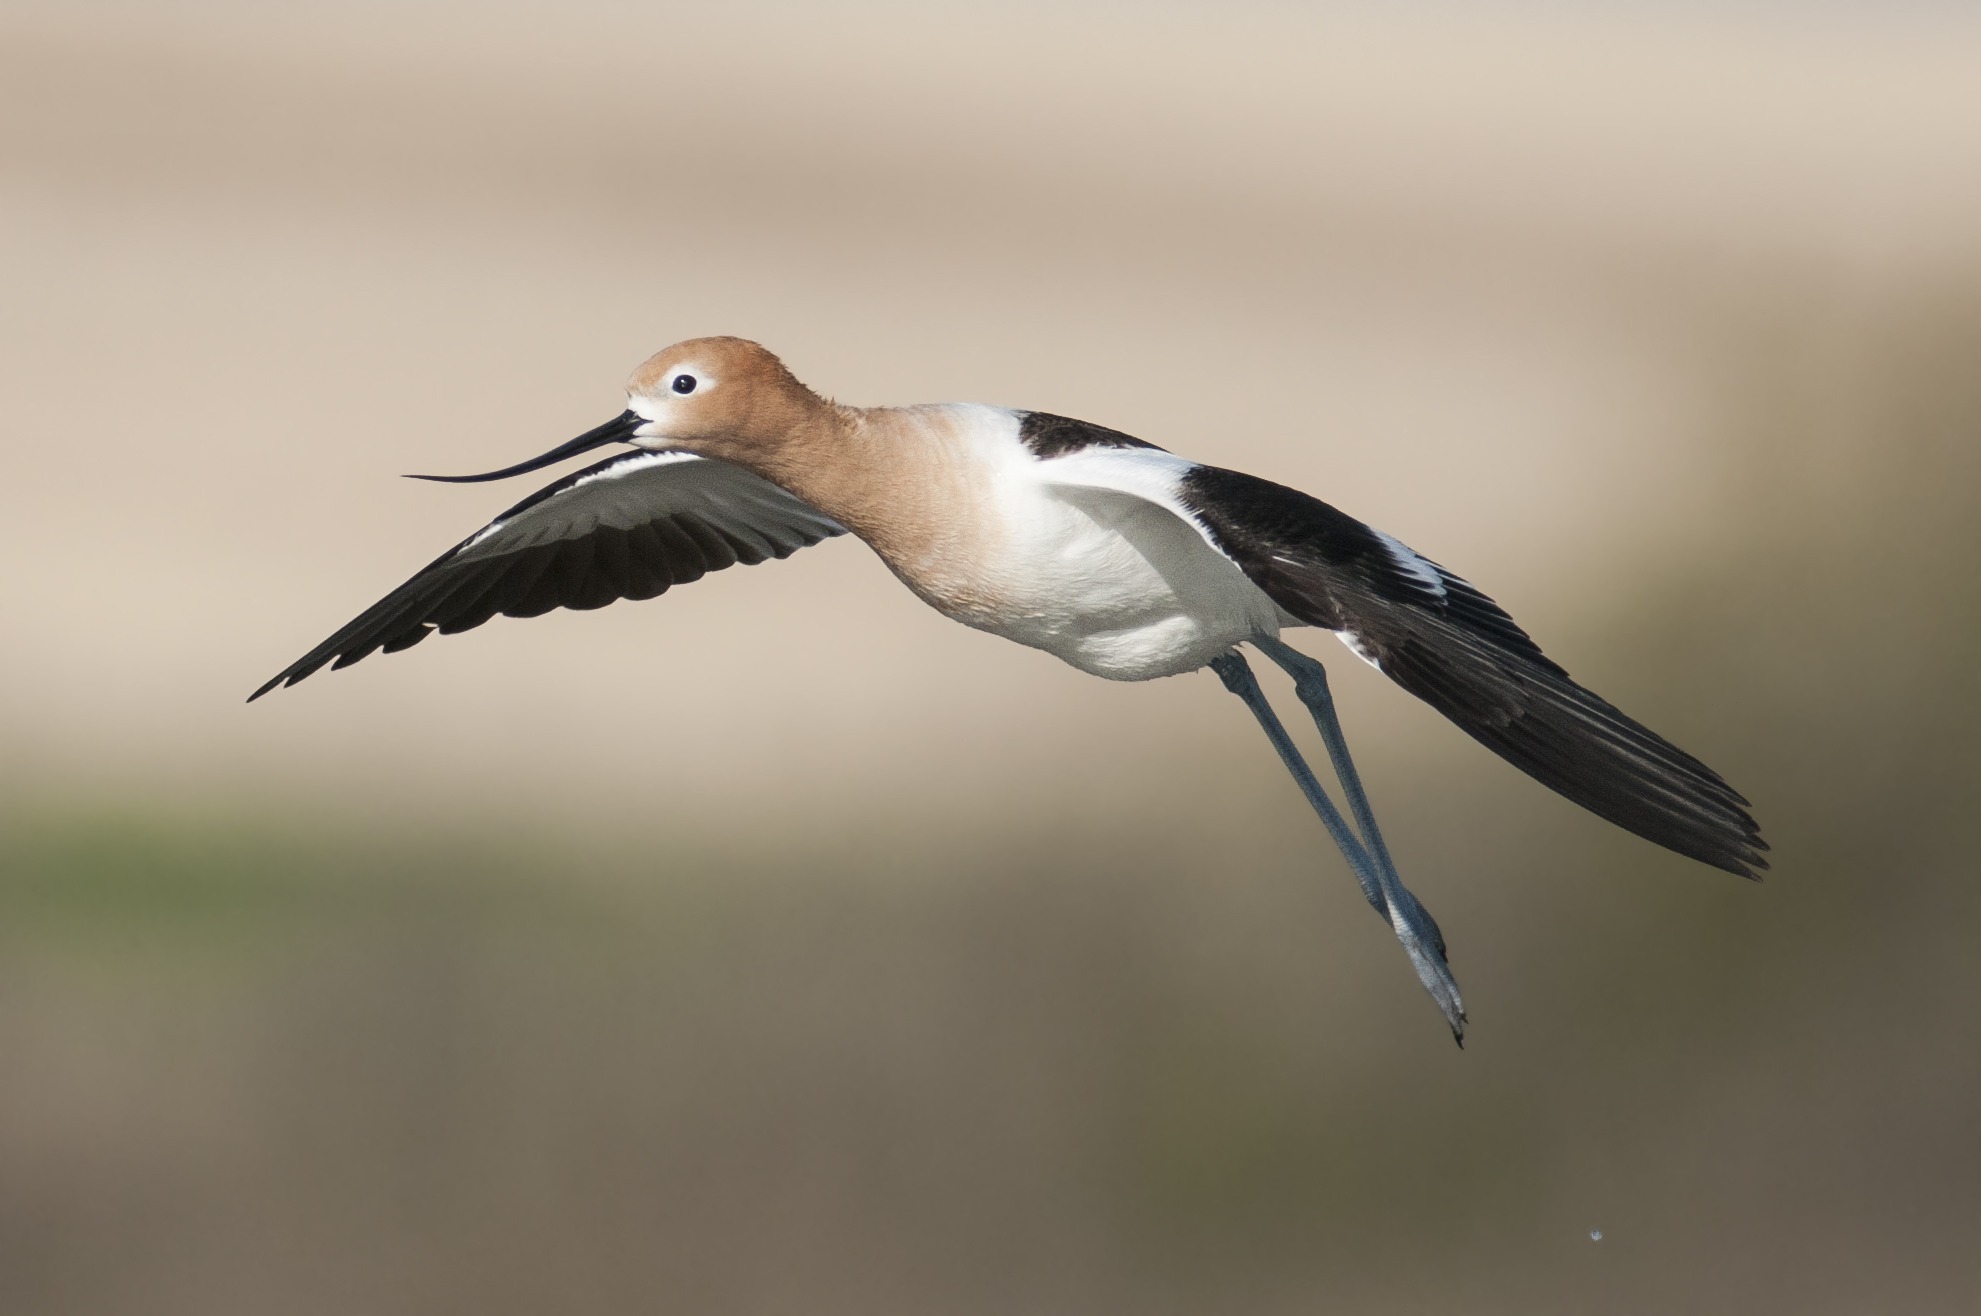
(1110, 553)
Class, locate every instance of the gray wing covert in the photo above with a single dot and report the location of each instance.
(629, 527)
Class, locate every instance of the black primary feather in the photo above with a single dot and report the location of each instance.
(629, 527)
(1457, 650)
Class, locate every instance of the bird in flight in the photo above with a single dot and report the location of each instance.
(1112, 554)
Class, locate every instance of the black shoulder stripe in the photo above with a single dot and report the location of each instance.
(1051, 436)
(1312, 558)
(1291, 544)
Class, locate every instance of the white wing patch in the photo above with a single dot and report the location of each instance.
(619, 470)
(1360, 650)
(1411, 564)
(646, 461)
(493, 527)
(1110, 571)
(1144, 472)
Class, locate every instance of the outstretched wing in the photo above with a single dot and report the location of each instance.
(625, 528)
(1443, 640)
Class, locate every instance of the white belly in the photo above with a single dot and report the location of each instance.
(1087, 556)
(1114, 585)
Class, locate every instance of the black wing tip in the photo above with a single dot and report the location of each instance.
(307, 666)
(1752, 865)
(287, 677)
(1757, 858)
(1744, 855)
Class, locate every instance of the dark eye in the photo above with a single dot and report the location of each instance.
(684, 383)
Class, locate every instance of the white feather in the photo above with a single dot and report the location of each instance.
(1410, 563)
(1099, 563)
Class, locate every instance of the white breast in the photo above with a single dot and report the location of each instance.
(1107, 579)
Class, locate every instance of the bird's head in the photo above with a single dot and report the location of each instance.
(727, 398)
(720, 397)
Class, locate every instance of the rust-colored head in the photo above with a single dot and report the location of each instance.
(722, 397)
(717, 397)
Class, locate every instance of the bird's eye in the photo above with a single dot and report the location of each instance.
(684, 383)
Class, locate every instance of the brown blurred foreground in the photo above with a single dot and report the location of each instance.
(775, 947)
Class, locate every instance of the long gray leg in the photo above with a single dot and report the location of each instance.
(1237, 676)
(1310, 683)
(1370, 863)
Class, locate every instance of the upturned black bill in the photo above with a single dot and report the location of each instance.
(617, 430)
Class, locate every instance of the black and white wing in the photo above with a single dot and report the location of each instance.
(1440, 638)
(1444, 641)
(628, 527)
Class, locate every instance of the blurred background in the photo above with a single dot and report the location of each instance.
(778, 947)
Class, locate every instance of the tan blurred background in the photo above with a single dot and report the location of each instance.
(777, 947)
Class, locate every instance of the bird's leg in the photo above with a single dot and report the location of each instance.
(1237, 676)
(1370, 862)
(1407, 913)
(1310, 683)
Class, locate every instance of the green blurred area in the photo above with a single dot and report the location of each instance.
(924, 1046)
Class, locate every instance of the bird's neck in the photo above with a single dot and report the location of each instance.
(901, 478)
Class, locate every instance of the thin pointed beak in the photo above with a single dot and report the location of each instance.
(617, 430)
